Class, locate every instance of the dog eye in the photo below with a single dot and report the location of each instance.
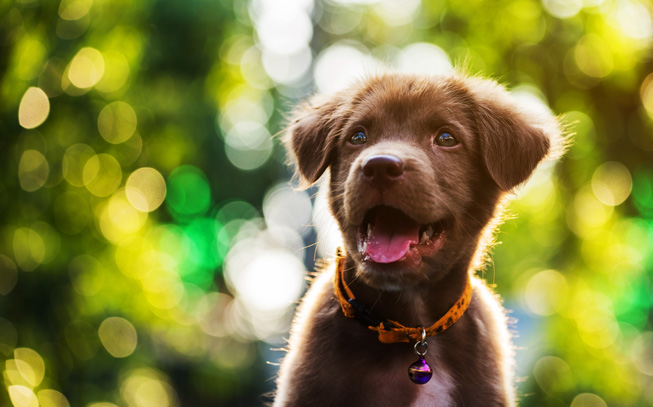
(359, 137)
(445, 139)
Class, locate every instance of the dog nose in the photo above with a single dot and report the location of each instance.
(383, 167)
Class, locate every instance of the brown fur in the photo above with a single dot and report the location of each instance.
(334, 361)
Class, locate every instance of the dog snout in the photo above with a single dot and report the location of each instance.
(382, 168)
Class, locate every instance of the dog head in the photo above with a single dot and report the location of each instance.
(418, 165)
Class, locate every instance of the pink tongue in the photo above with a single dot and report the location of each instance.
(391, 236)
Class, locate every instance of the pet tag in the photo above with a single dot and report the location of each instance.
(420, 372)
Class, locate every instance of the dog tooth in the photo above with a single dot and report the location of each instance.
(429, 231)
(369, 229)
(424, 238)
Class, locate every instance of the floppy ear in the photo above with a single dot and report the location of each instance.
(311, 137)
(513, 140)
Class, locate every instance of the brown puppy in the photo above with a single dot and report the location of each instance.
(418, 167)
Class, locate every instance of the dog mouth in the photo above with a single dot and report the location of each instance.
(388, 235)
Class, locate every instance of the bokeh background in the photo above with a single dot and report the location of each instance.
(152, 249)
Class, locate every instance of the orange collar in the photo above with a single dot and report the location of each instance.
(392, 331)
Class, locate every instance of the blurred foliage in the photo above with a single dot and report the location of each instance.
(149, 242)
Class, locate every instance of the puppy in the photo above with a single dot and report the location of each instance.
(419, 167)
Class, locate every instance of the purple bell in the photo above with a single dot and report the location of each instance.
(420, 372)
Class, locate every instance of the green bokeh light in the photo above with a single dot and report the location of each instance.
(202, 252)
(643, 191)
(188, 192)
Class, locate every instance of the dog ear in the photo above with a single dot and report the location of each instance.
(513, 139)
(311, 137)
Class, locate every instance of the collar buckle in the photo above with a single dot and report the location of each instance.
(365, 316)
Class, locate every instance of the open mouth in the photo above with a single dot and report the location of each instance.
(388, 235)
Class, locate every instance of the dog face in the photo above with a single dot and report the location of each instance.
(417, 167)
